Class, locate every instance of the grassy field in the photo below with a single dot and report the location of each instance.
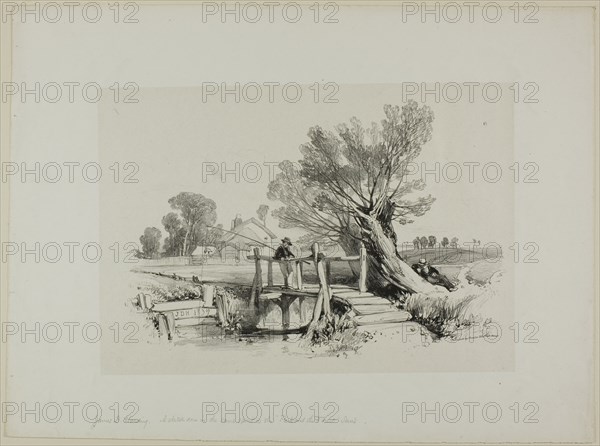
(448, 261)
(449, 256)
(241, 273)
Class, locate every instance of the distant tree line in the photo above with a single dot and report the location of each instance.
(431, 242)
(189, 225)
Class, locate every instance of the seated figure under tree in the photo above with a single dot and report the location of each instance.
(432, 275)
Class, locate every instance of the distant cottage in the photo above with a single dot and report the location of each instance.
(244, 236)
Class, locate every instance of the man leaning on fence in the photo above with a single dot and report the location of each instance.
(283, 252)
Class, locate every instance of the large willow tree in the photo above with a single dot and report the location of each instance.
(351, 185)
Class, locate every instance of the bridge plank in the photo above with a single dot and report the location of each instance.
(366, 300)
(383, 318)
(306, 292)
(270, 296)
(371, 309)
(352, 293)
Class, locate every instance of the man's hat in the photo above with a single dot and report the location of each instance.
(423, 261)
(287, 239)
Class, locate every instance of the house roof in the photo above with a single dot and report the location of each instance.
(249, 222)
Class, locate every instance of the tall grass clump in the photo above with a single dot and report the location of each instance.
(442, 315)
(232, 308)
(336, 335)
(445, 314)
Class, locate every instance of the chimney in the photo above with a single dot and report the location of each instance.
(237, 221)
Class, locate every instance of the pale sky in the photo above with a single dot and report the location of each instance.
(173, 135)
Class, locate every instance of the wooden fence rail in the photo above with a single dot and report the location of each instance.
(298, 264)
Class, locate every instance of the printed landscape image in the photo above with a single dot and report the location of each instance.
(332, 261)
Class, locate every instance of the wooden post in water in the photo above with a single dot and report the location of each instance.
(286, 301)
(257, 283)
(301, 309)
(323, 299)
(270, 273)
(362, 279)
(328, 271)
(163, 326)
(220, 303)
(171, 323)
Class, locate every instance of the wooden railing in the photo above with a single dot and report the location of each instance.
(319, 260)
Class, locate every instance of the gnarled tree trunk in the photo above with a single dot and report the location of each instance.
(379, 238)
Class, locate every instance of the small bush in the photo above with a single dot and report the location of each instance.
(442, 315)
(230, 307)
(337, 334)
(169, 293)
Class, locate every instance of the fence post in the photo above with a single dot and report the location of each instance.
(323, 303)
(299, 274)
(171, 323)
(270, 273)
(208, 295)
(301, 309)
(362, 280)
(145, 301)
(220, 303)
(163, 326)
(257, 283)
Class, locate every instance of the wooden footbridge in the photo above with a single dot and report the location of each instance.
(365, 307)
